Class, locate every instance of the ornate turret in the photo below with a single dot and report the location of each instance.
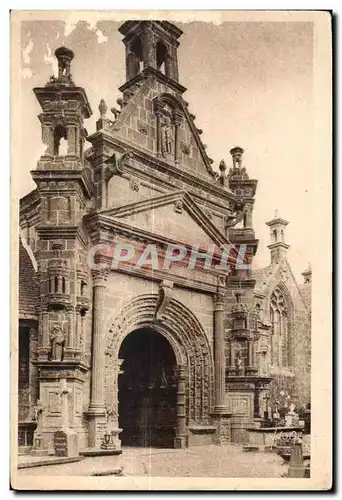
(64, 107)
(64, 57)
(278, 246)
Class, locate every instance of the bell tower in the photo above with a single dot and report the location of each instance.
(64, 188)
(153, 45)
(278, 246)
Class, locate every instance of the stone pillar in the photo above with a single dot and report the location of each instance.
(181, 432)
(169, 67)
(177, 122)
(149, 48)
(231, 369)
(78, 329)
(71, 333)
(72, 140)
(159, 139)
(219, 354)
(44, 340)
(96, 409)
(33, 372)
(249, 216)
(47, 133)
(250, 353)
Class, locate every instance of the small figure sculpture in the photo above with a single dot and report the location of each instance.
(38, 410)
(167, 139)
(116, 112)
(239, 363)
(179, 207)
(57, 343)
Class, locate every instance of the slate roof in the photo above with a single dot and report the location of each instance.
(28, 286)
(262, 276)
(305, 290)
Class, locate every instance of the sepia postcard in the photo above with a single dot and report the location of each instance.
(171, 324)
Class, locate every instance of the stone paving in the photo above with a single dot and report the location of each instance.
(201, 461)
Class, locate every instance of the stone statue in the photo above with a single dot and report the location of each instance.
(111, 419)
(167, 136)
(239, 363)
(38, 410)
(57, 343)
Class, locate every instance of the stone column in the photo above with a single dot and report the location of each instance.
(177, 122)
(98, 356)
(219, 354)
(96, 409)
(78, 329)
(149, 48)
(249, 216)
(159, 139)
(71, 140)
(44, 340)
(33, 372)
(169, 67)
(231, 369)
(181, 433)
(250, 353)
(71, 332)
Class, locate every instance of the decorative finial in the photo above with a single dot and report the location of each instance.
(276, 213)
(237, 153)
(103, 108)
(120, 102)
(64, 57)
(309, 266)
(222, 167)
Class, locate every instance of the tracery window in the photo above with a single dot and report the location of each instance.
(280, 345)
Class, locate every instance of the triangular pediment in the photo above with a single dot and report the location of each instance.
(138, 124)
(174, 215)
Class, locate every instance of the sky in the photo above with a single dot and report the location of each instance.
(250, 84)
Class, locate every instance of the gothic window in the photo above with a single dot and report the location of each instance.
(275, 237)
(280, 345)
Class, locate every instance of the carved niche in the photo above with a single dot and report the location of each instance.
(169, 115)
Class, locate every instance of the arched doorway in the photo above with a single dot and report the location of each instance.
(147, 390)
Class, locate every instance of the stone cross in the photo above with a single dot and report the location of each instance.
(64, 391)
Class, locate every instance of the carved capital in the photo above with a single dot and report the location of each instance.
(100, 277)
(219, 299)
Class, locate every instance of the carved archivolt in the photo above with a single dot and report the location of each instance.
(188, 340)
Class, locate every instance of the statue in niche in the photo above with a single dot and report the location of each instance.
(57, 343)
(166, 136)
(239, 363)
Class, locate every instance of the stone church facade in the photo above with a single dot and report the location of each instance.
(163, 356)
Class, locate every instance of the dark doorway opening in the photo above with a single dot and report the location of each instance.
(147, 390)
